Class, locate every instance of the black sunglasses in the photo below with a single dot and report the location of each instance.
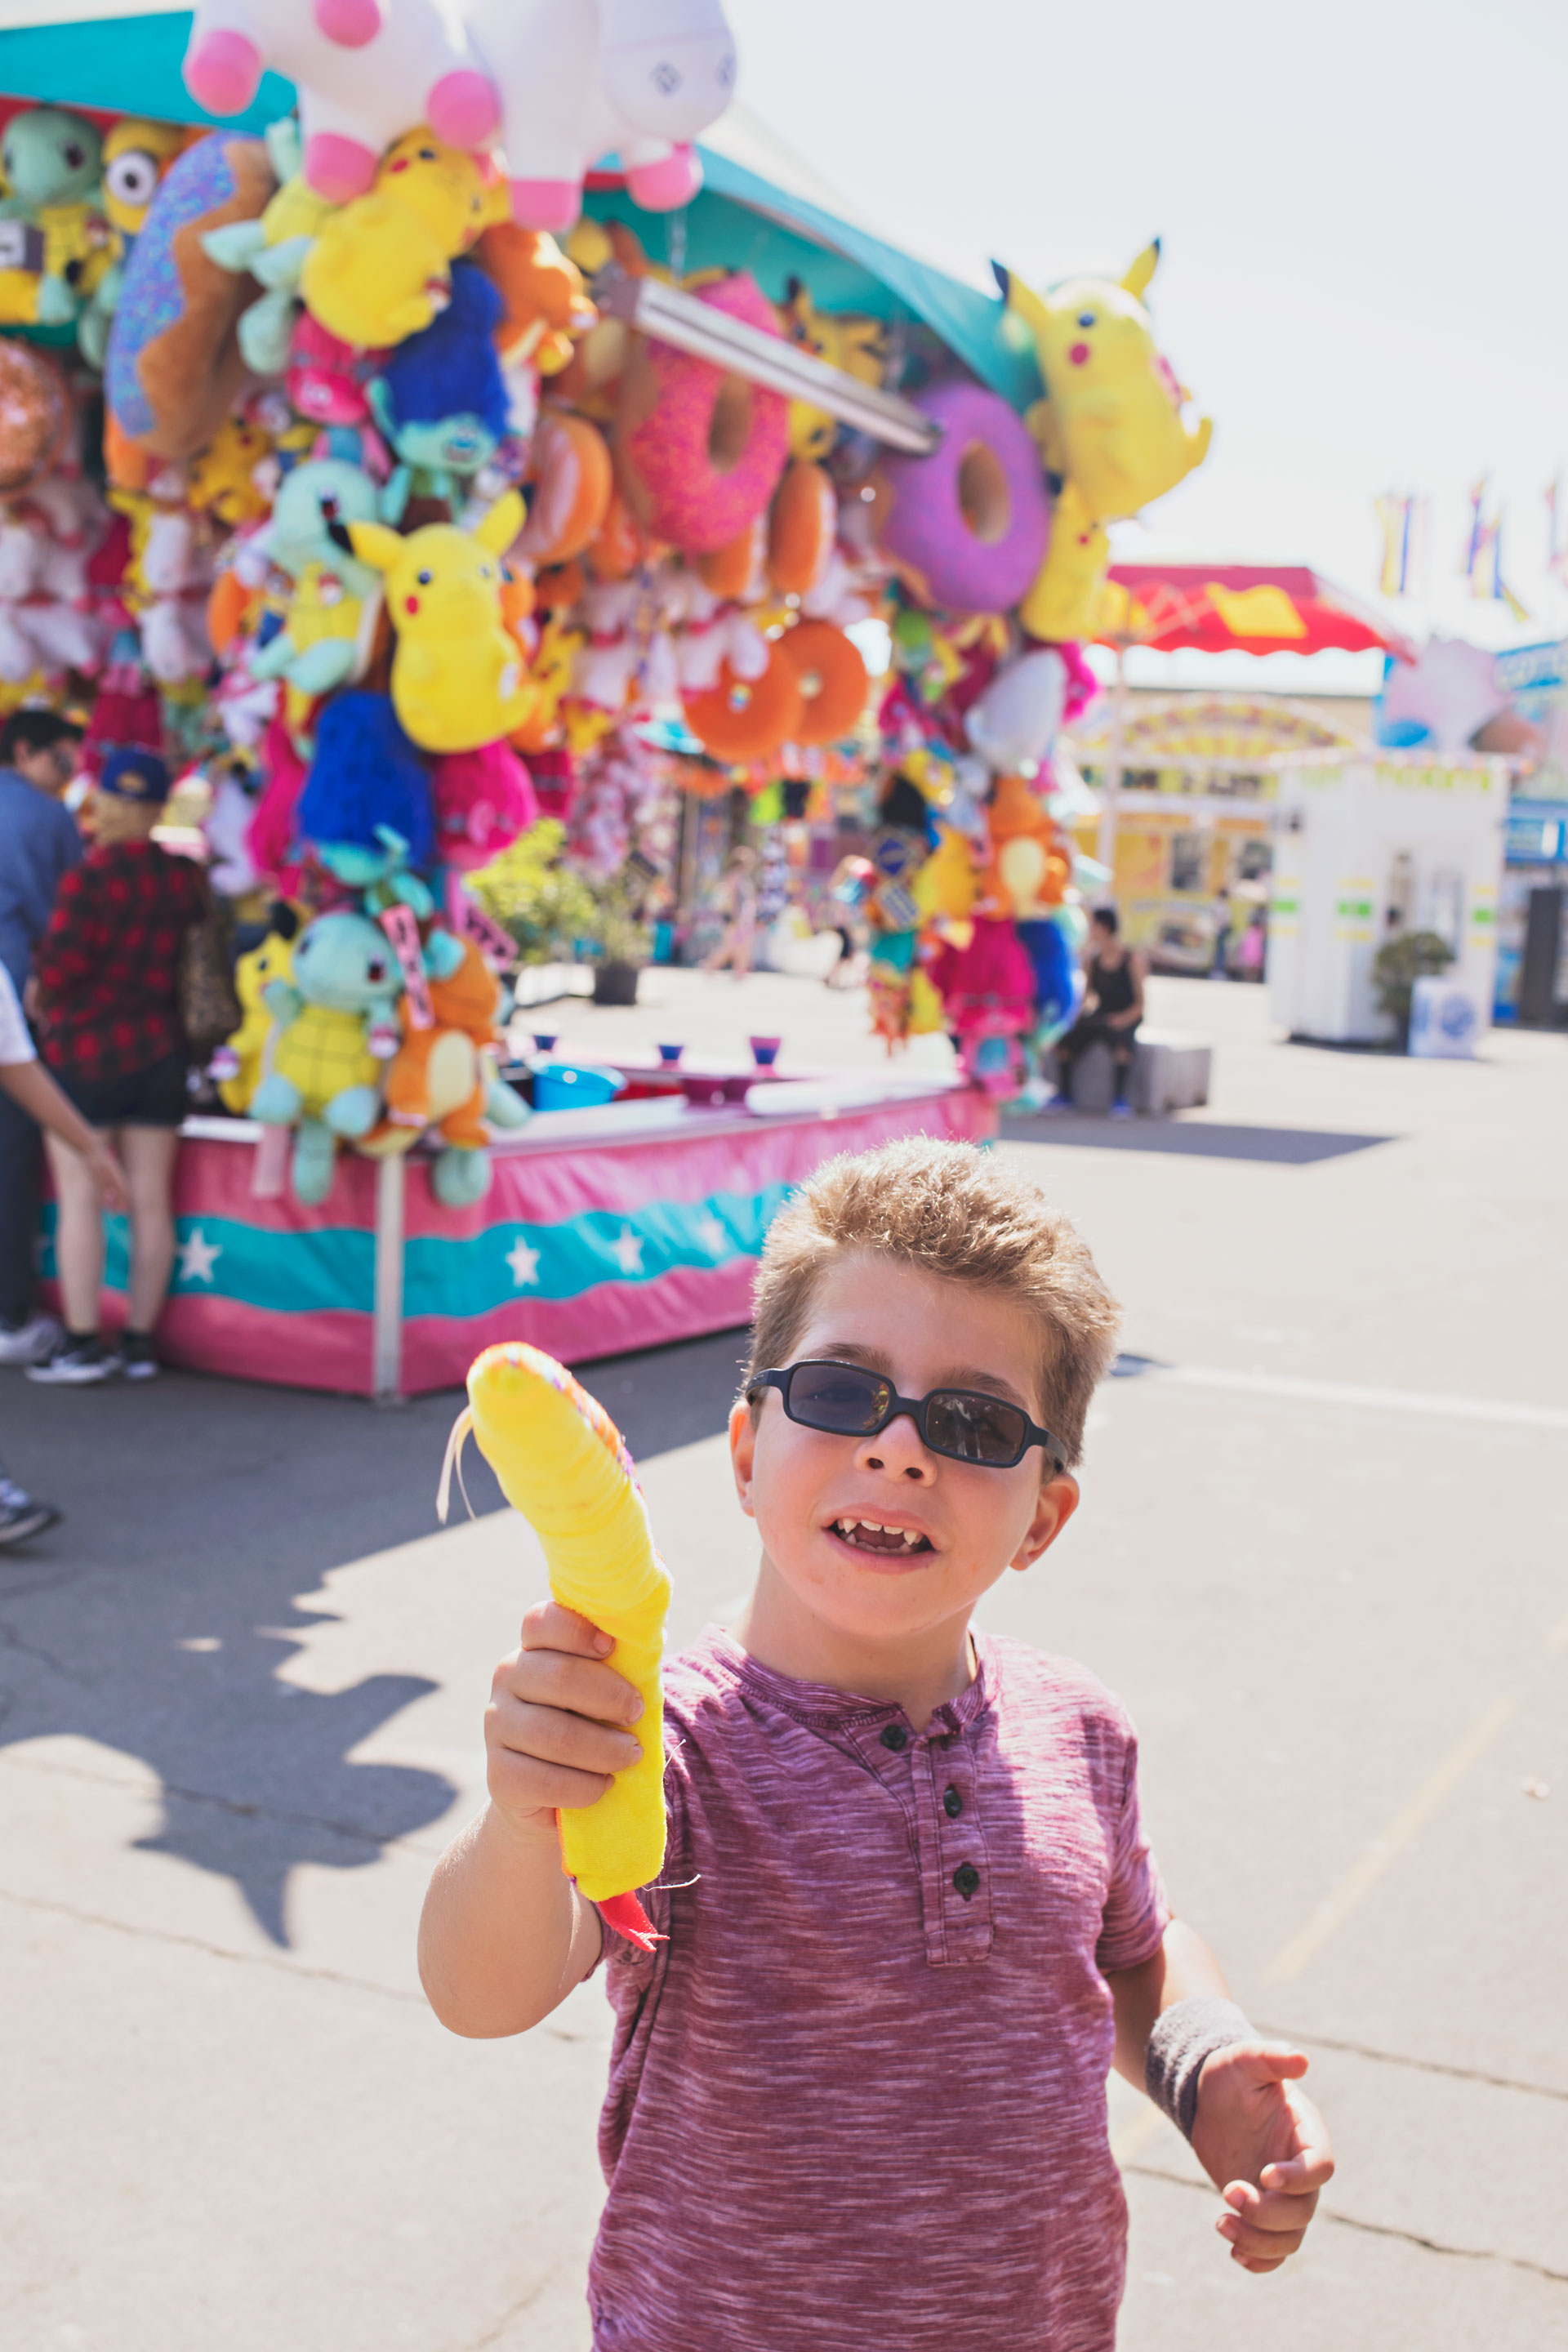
(961, 1423)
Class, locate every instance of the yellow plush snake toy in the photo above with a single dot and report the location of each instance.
(561, 1462)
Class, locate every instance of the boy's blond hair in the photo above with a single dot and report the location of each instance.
(964, 1213)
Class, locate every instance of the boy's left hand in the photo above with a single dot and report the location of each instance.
(1264, 2145)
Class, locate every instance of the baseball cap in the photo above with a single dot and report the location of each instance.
(132, 775)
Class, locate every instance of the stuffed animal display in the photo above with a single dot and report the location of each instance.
(407, 533)
(562, 1464)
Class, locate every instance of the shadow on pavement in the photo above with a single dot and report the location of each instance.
(201, 1515)
(1288, 1147)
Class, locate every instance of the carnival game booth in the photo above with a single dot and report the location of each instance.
(403, 414)
(603, 1231)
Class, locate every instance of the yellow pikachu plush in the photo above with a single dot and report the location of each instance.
(1110, 425)
(273, 960)
(849, 340)
(380, 268)
(457, 679)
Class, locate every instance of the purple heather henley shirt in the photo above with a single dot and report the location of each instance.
(856, 2100)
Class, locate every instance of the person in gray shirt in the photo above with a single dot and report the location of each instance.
(38, 845)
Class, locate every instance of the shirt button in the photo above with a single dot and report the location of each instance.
(951, 1803)
(966, 1878)
(895, 1737)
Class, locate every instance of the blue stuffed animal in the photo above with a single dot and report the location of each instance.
(365, 779)
(441, 399)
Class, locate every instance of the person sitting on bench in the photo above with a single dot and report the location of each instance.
(1112, 1008)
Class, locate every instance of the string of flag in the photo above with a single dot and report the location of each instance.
(1403, 522)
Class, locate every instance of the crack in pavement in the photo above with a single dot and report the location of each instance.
(213, 1951)
(1376, 2229)
(513, 2311)
(245, 1808)
(10, 1639)
(1417, 2065)
(260, 1960)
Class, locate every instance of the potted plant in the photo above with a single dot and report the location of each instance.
(1398, 964)
(543, 903)
(623, 940)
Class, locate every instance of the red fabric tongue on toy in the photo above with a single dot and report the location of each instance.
(625, 1914)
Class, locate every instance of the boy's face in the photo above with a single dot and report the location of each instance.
(922, 1332)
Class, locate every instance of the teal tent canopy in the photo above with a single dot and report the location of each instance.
(776, 225)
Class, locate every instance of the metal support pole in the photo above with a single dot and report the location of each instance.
(1110, 783)
(386, 1339)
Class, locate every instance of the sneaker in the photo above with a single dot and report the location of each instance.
(136, 1360)
(1058, 1102)
(74, 1362)
(21, 1517)
(1121, 1110)
(25, 1343)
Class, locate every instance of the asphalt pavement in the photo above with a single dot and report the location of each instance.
(1322, 1554)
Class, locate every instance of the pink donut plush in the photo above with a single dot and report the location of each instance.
(700, 452)
(968, 525)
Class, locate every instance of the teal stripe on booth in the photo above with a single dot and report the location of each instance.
(331, 1269)
(509, 1262)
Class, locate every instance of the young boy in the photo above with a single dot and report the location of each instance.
(858, 2097)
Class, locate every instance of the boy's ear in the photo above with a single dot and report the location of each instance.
(743, 1451)
(1054, 1507)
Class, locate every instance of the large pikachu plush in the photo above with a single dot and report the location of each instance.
(458, 680)
(1110, 429)
(560, 1462)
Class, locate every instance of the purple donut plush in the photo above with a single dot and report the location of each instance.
(968, 526)
(174, 368)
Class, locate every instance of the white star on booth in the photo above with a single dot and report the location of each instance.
(199, 1256)
(524, 1264)
(712, 1235)
(627, 1250)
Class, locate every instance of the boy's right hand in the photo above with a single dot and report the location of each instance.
(555, 1729)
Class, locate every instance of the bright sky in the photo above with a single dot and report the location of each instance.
(1362, 204)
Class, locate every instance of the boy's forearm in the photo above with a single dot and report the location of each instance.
(1184, 1969)
(504, 1935)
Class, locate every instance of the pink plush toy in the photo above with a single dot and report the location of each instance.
(325, 378)
(483, 801)
(579, 77)
(272, 837)
(365, 70)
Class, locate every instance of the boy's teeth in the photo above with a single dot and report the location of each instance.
(902, 1536)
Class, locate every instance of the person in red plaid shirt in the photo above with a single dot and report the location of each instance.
(108, 973)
